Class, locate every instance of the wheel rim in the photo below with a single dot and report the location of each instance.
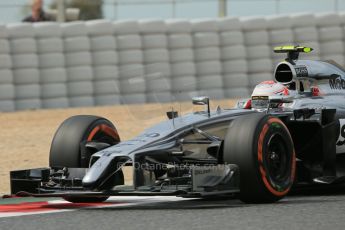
(277, 159)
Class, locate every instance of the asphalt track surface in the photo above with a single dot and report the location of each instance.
(325, 211)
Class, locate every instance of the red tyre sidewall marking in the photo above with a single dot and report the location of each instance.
(262, 170)
(93, 133)
(110, 131)
(106, 129)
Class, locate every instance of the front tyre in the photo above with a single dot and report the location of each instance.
(67, 148)
(262, 147)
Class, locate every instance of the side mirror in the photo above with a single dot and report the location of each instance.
(202, 101)
(172, 114)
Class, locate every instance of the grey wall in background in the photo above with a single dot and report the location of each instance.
(49, 65)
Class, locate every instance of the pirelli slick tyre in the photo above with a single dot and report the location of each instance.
(262, 147)
(66, 147)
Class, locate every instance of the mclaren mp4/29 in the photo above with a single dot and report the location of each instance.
(258, 151)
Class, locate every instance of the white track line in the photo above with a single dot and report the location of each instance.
(123, 201)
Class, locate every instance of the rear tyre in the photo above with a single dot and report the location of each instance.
(262, 147)
(67, 147)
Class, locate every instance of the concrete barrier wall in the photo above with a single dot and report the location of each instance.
(49, 65)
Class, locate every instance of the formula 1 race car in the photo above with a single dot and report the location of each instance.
(290, 133)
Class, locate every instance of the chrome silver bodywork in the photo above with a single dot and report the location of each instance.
(164, 143)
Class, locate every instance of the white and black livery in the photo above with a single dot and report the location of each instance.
(259, 151)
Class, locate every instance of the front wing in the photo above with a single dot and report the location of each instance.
(202, 181)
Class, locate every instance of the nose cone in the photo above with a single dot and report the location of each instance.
(97, 173)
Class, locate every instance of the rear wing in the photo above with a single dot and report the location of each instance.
(292, 51)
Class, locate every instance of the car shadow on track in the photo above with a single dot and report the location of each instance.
(218, 203)
(319, 190)
(181, 204)
(297, 197)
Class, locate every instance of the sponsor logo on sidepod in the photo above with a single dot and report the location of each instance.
(337, 83)
(301, 71)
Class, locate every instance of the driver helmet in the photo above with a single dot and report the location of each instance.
(266, 89)
(271, 88)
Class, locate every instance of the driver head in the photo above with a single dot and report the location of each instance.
(270, 88)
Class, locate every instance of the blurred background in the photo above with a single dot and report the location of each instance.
(153, 51)
(15, 10)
